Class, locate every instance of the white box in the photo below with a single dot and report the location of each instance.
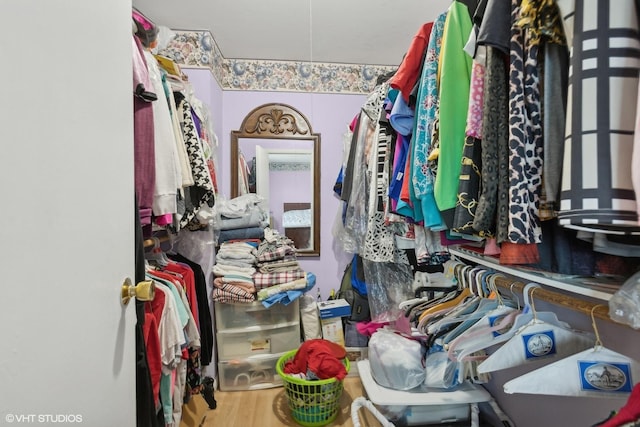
(332, 330)
(334, 308)
(421, 405)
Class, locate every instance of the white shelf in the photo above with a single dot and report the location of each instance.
(464, 394)
(565, 285)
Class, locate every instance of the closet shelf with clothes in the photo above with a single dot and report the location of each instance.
(454, 149)
(515, 282)
(585, 286)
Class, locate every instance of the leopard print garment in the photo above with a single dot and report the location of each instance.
(525, 135)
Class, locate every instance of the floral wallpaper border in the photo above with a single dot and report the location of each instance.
(199, 49)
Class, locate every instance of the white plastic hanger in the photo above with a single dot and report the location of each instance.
(497, 316)
(484, 305)
(156, 254)
(520, 321)
(535, 340)
(595, 372)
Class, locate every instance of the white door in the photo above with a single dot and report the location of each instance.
(66, 213)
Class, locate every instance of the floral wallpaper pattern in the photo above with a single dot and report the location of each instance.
(199, 49)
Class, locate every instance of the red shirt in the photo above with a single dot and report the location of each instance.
(407, 75)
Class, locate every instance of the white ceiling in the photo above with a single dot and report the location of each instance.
(375, 32)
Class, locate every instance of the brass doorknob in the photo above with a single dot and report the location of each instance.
(144, 291)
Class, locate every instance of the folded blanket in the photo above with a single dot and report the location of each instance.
(278, 253)
(287, 297)
(241, 233)
(235, 263)
(264, 280)
(220, 282)
(239, 206)
(224, 270)
(277, 266)
(244, 247)
(272, 238)
(237, 278)
(253, 218)
(239, 256)
(289, 286)
(230, 293)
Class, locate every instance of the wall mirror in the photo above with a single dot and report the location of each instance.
(276, 155)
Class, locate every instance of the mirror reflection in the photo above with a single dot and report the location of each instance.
(276, 155)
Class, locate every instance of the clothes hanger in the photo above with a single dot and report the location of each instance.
(156, 254)
(478, 285)
(535, 341)
(595, 372)
(446, 305)
(470, 310)
(490, 307)
(494, 319)
(513, 320)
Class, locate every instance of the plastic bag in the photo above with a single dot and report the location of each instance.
(441, 372)
(388, 284)
(198, 246)
(396, 361)
(624, 305)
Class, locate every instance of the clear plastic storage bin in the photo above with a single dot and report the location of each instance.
(247, 315)
(266, 340)
(251, 373)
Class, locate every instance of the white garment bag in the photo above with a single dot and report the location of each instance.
(596, 372)
(503, 326)
(536, 340)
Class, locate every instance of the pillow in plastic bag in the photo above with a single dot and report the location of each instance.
(624, 305)
(396, 361)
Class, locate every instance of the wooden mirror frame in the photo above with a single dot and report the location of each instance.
(281, 121)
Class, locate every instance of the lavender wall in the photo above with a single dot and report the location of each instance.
(329, 115)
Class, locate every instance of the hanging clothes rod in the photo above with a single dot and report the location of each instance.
(556, 298)
(572, 302)
(148, 243)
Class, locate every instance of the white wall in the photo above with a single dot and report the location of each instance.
(66, 221)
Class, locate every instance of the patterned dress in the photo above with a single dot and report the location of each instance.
(422, 176)
(525, 133)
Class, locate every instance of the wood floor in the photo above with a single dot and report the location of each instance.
(268, 408)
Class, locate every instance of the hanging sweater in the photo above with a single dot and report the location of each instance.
(166, 157)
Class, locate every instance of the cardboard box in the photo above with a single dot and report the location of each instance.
(334, 308)
(332, 330)
(355, 354)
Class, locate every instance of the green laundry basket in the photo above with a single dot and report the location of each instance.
(312, 403)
